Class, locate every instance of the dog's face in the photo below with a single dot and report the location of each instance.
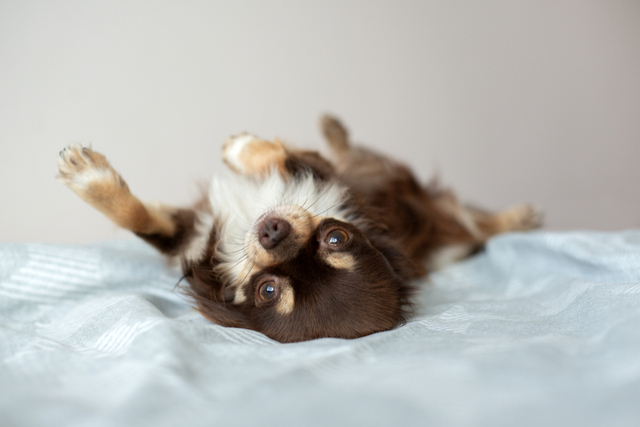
(320, 279)
(309, 276)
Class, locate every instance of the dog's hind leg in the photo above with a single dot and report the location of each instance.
(480, 224)
(521, 217)
(462, 230)
(91, 177)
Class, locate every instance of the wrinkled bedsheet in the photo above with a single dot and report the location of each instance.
(540, 329)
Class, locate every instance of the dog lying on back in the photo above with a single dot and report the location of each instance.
(295, 246)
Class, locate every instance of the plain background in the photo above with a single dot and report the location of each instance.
(507, 100)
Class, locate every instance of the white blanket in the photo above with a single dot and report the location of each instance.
(540, 329)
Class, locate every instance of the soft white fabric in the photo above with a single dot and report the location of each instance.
(540, 329)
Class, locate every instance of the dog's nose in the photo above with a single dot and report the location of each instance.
(273, 231)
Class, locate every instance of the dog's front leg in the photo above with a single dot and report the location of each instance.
(90, 176)
(252, 156)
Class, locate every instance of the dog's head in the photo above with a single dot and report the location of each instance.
(300, 272)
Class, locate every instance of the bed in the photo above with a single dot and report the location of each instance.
(539, 329)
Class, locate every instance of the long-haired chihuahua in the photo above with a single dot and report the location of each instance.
(297, 246)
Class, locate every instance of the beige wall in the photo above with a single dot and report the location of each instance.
(508, 100)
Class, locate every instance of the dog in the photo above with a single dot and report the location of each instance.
(296, 246)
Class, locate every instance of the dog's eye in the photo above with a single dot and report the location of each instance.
(267, 290)
(336, 237)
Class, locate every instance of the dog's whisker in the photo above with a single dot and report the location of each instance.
(329, 187)
(328, 209)
(253, 264)
(184, 276)
(230, 268)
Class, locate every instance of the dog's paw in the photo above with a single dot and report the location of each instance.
(521, 217)
(81, 168)
(249, 155)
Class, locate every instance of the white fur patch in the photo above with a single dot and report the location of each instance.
(90, 175)
(239, 296)
(198, 244)
(238, 202)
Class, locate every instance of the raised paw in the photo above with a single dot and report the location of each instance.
(249, 155)
(521, 217)
(91, 177)
(88, 173)
(78, 163)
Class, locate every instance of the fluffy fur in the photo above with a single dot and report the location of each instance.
(296, 246)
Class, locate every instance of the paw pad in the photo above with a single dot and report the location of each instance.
(80, 166)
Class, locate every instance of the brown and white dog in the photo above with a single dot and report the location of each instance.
(295, 246)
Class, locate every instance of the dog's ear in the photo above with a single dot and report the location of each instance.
(213, 299)
(222, 314)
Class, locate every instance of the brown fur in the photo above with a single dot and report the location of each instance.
(347, 290)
